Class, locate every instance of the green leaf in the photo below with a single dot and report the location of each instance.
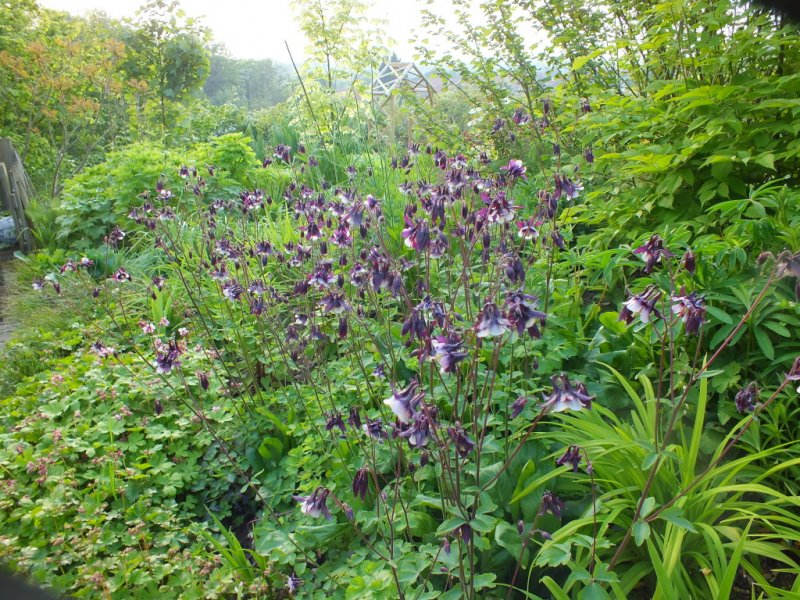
(484, 580)
(271, 450)
(641, 531)
(554, 555)
(554, 588)
(449, 525)
(674, 515)
(610, 320)
(581, 61)
(531, 487)
(647, 506)
(726, 584)
(649, 461)
(482, 523)
(766, 160)
(764, 343)
(507, 536)
(593, 591)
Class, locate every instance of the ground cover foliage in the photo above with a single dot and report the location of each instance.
(550, 355)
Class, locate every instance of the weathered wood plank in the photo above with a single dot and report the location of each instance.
(16, 191)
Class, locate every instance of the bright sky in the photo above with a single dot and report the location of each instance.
(258, 28)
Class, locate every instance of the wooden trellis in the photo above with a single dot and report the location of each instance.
(394, 77)
(15, 191)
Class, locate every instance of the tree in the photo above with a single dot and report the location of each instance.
(166, 53)
(251, 84)
(61, 88)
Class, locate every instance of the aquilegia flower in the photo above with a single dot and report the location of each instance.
(167, 358)
(417, 435)
(518, 406)
(565, 396)
(690, 308)
(315, 504)
(653, 252)
(515, 168)
(293, 583)
(403, 402)
(448, 352)
(121, 275)
(571, 456)
(361, 483)
(335, 420)
(491, 322)
(522, 313)
(643, 304)
(464, 444)
(747, 398)
(551, 504)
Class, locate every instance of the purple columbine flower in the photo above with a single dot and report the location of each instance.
(439, 244)
(515, 169)
(361, 483)
(335, 303)
(564, 186)
(232, 290)
(416, 235)
(653, 252)
(403, 403)
(315, 504)
(414, 326)
(419, 432)
(527, 230)
(747, 398)
(256, 288)
(464, 444)
(689, 262)
(374, 428)
(121, 275)
(282, 151)
(448, 352)
(202, 378)
(522, 313)
(571, 456)
(551, 504)
(322, 277)
(518, 406)
(354, 418)
(520, 117)
(491, 322)
(115, 236)
(690, 308)
(167, 358)
(341, 237)
(643, 304)
(335, 420)
(102, 350)
(565, 396)
(499, 209)
(293, 583)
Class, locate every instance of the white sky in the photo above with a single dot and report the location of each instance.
(258, 29)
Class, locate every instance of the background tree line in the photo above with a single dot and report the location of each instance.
(72, 88)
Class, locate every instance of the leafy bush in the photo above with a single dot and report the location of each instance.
(418, 325)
